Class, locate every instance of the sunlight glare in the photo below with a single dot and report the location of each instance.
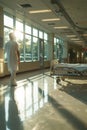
(1, 66)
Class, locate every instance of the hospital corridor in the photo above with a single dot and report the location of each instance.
(43, 65)
(39, 103)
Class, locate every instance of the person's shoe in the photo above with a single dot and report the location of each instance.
(14, 84)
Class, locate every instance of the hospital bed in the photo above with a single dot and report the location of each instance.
(63, 70)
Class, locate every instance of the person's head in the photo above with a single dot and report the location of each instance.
(12, 36)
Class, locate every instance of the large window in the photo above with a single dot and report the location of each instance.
(27, 38)
(58, 49)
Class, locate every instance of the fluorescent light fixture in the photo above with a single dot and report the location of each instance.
(84, 34)
(39, 11)
(75, 39)
(52, 19)
(62, 27)
(71, 35)
(79, 41)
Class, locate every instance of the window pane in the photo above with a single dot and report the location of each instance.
(27, 29)
(55, 49)
(54, 40)
(45, 50)
(6, 38)
(40, 34)
(45, 36)
(6, 34)
(35, 32)
(19, 26)
(19, 38)
(8, 21)
(35, 48)
(28, 52)
(58, 49)
(57, 40)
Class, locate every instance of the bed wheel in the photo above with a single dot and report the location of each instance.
(57, 80)
(63, 79)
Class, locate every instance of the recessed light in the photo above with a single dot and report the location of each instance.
(71, 35)
(62, 27)
(84, 34)
(39, 11)
(74, 38)
(52, 19)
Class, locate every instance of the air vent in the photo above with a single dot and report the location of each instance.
(25, 5)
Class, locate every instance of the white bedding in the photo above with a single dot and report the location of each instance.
(78, 67)
(69, 69)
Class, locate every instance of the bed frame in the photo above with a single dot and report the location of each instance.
(63, 70)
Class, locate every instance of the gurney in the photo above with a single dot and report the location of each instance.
(63, 70)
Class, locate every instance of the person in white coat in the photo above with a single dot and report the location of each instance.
(13, 57)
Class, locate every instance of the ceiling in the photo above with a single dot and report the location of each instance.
(72, 13)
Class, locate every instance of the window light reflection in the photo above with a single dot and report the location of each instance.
(1, 66)
(7, 98)
(35, 96)
(28, 102)
(29, 99)
(19, 96)
(45, 91)
(55, 84)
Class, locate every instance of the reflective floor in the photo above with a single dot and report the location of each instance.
(39, 103)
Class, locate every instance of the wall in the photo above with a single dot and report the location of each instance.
(1, 42)
(26, 66)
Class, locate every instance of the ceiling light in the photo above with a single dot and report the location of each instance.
(62, 27)
(71, 35)
(53, 19)
(78, 41)
(74, 38)
(39, 11)
(84, 34)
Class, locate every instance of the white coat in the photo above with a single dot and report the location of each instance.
(11, 48)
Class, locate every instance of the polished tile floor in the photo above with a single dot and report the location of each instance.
(39, 103)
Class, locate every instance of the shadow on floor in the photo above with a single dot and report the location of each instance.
(72, 119)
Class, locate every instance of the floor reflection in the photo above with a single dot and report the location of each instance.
(29, 97)
(38, 103)
(13, 121)
(23, 101)
(2, 109)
